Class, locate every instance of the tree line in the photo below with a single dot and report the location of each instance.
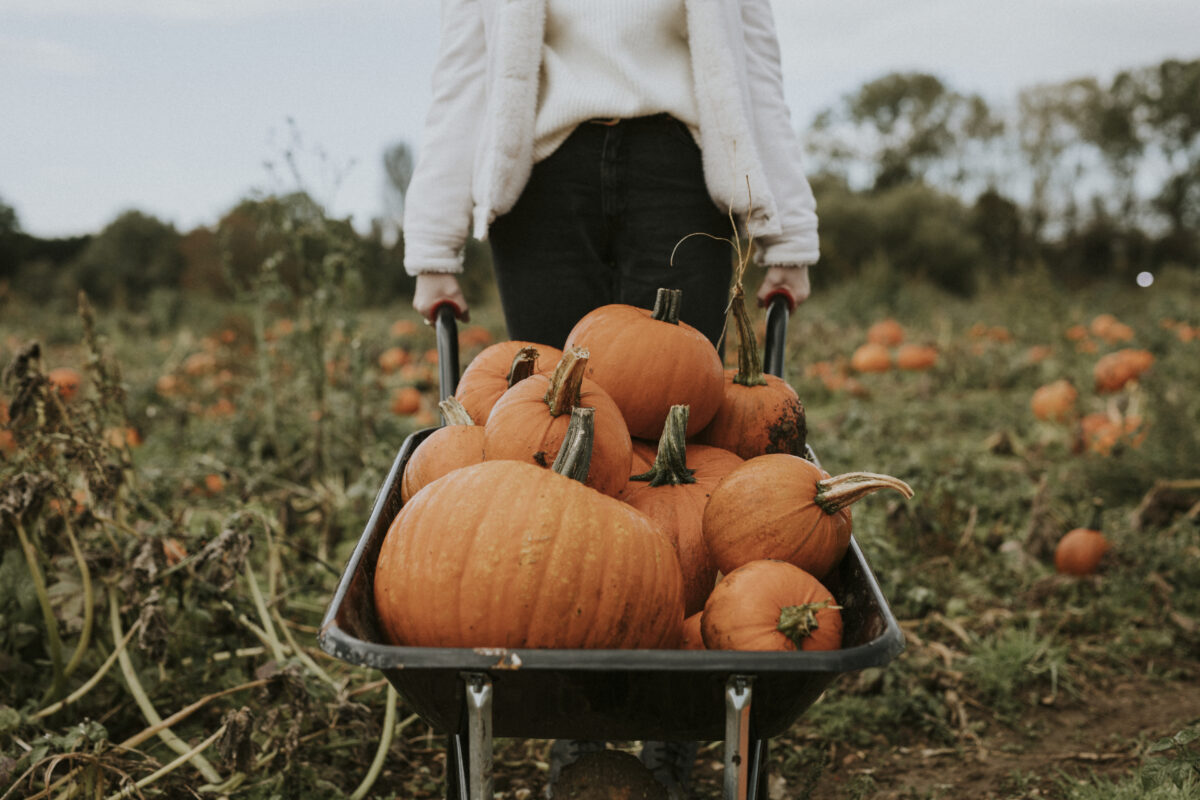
(1082, 178)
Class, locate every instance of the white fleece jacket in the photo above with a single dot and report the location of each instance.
(477, 151)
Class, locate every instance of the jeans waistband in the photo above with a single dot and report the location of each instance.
(651, 119)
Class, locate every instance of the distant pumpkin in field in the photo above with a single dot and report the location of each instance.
(887, 332)
(66, 382)
(1113, 371)
(1080, 551)
(916, 357)
(406, 401)
(871, 357)
(402, 327)
(393, 358)
(1054, 402)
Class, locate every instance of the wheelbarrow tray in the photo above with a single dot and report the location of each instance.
(601, 694)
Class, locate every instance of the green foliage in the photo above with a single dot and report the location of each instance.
(1014, 662)
(913, 230)
(133, 255)
(1171, 771)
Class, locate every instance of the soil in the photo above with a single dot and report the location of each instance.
(1105, 732)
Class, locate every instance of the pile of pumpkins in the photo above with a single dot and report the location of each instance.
(625, 492)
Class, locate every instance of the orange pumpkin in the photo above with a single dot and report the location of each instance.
(66, 382)
(1079, 551)
(8, 442)
(1113, 371)
(887, 332)
(393, 358)
(402, 327)
(692, 638)
(916, 357)
(1100, 432)
(530, 419)
(497, 367)
(507, 554)
(871, 357)
(771, 605)
(406, 400)
(458, 444)
(649, 360)
(673, 493)
(1055, 401)
(783, 507)
(759, 413)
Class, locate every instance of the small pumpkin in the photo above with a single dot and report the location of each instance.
(406, 400)
(1054, 401)
(887, 332)
(771, 605)
(530, 419)
(1080, 551)
(871, 357)
(1114, 370)
(66, 382)
(495, 369)
(507, 554)
(674, 491)
(759, 413)
(916, 357)
(648, 360)
(784, 507)
(393, 358)
(458, 444)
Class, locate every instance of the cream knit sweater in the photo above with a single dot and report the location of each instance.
(612, 58)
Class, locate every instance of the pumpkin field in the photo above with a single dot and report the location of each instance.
(180, 493)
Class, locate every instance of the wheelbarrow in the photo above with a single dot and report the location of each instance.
(472, 695)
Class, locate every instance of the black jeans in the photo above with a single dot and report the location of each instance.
(597, 223)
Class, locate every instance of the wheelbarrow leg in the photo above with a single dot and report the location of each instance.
(738, 754)
(469, 773)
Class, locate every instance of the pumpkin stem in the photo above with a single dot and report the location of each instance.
(567, 382)
(574, 457)
(834, 494)
(798, 622)
(749, 371)
(524, 364)
(666, 305)
(454, 413)
(670, 464)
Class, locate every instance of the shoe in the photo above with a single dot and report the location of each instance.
(565, 752)
(671, 763)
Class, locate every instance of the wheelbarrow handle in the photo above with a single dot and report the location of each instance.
(446, 328)
(779, 305)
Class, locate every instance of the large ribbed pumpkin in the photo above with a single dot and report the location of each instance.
(674, 491)
(507, 554)
(783, 507)
(759, 413)
(771, 605)
(491, 372)
(458, 444)
(648, 360)
(530, 419)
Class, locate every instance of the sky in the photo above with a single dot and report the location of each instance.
(178, 108)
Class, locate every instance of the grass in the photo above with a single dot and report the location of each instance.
(259, 472)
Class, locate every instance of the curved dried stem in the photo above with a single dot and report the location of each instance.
(385, 743)
(92, 681)
(53, 641)
(89, 601)
(143, 700)
(834, 494)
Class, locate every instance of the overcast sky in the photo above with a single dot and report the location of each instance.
(173, 107)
